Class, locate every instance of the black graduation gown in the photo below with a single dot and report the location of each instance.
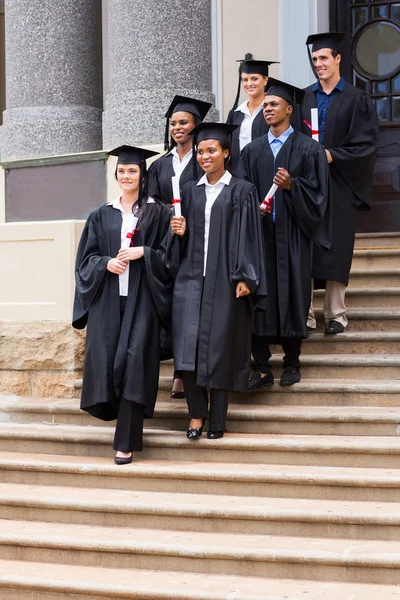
(351, 132)
(259, 128)
(121, 360)
(160, 173)
(207, 318)
(299, 219)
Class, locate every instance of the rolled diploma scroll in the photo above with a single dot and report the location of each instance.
(314, 124)
(128, 239)
(266, 203)
(176, 193)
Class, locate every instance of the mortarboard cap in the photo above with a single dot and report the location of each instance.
(198, 108)
(333, 40)
(261, 67)
(288, 92)
(130, 155)
(213, 131)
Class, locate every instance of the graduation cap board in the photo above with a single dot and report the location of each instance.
(131, 155)
(288, 92)
(198, 108)
(213, 131)
(252, 66)
(333, 40)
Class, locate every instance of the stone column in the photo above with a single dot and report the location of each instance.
(156, 49)
(53, 78)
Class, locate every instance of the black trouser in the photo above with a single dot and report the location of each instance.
(262, 353)
(129, 429)
(197, 401)
(177, 374)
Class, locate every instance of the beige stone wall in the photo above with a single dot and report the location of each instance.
(254, 30)
(41, 359)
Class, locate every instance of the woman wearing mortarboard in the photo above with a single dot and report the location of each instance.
(217, 258)
(181, 117)
(123, 294)
(253, 76)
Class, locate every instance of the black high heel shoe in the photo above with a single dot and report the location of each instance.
(194, 434)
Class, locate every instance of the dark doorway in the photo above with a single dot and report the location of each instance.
(372, 63)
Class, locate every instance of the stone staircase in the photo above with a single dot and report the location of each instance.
(300, 499)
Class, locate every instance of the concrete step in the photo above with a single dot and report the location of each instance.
(368, 297)
(367, 241)
(360, 451)
(323, 559)
(201, 512)
(369, 319)
(243, 417)
(332, 366)
(44, 581)
(376, 257)
(352, 342)
(217, 478)
(371, 277)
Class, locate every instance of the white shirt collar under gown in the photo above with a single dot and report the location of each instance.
(127, 226)
(177, 164)
(212, 193)
(247, 123)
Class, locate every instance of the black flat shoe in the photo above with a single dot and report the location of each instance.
(215, 435)
(256, 381)
(178, 395)
(334, 327)
(194, 434)
(290, 376)
(123, 460)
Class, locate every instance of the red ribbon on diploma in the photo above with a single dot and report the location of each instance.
(175, 201)
(313, 131)
(130, 235)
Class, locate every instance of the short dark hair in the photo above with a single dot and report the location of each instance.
(334, 52)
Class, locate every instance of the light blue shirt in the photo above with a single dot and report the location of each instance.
(277, 143)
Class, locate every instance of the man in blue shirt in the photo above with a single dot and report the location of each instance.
(299, 169)
(348, 130)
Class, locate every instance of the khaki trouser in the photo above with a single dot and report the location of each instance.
(334, 306)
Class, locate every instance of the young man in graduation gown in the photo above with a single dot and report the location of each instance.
(299, 168)
(348, 130)
(253, 76)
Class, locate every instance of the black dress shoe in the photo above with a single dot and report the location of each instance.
(334, 327)
(123, 460)
(194, 434)
(256, 381)
(290, 376)
(215, 435)
(178, 395)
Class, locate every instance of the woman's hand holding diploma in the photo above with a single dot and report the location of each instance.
(178, 225)
(242, 289)
(133, 253)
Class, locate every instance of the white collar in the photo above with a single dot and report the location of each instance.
(244, 108)
(225, 180)
(116, 203)
(174, 151)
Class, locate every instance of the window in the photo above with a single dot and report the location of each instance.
(376, 54)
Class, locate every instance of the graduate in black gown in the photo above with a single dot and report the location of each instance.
(182, 116)
(298, 166)
(217, 256)
(253, 77)
(123, 295)
(348, 130)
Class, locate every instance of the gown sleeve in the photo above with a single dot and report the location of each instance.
(355, 158)
(153, 184)
(90, 269)
(158, 275)
(250, 250)
(309, 199)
